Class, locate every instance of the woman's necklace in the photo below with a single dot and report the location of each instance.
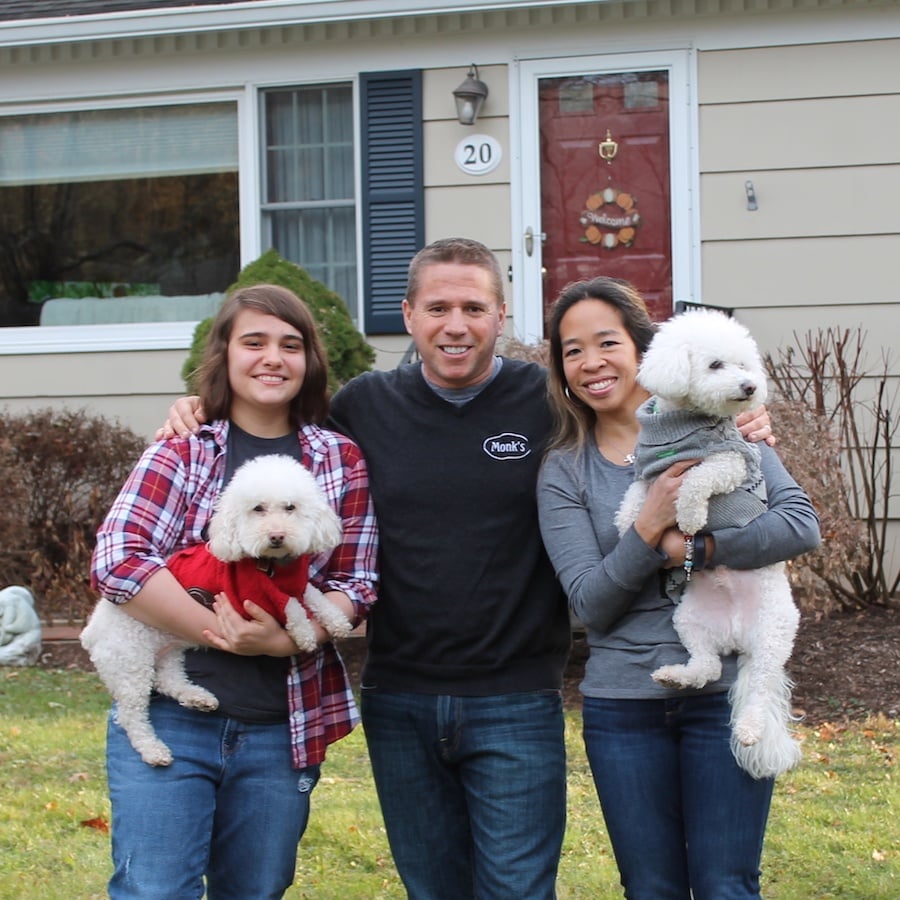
(629, 458)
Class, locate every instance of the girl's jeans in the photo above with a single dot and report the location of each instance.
(230, 807)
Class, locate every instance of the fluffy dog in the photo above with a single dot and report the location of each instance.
(268, 520)
(703, 368)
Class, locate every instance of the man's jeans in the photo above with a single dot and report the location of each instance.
(472, 789)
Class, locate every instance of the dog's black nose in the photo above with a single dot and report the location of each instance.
(748, 388)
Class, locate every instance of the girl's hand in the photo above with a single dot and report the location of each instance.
(260, 635)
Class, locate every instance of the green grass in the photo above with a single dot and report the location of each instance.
(834, 829)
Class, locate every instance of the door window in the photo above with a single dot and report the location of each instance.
(605, 187)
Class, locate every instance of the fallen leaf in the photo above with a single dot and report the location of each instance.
(97, 822)
(78, 776)
(879, 855)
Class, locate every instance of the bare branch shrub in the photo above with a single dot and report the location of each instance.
(62, 470)
(838, 445)
(516, 349)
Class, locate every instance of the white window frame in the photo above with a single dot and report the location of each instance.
(33, 339)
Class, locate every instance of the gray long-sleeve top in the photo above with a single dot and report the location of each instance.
(617, 588)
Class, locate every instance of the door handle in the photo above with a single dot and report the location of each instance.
(529, 240)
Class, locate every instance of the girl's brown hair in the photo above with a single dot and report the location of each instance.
(310, 405)
(574, 420)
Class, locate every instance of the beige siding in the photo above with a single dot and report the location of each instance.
(802, 203)
(816, 129)
(800, 134)
(135, 388)
(797, 72)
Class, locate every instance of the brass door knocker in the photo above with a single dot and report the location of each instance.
(608, 148)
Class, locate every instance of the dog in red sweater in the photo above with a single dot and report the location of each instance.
(268, 521)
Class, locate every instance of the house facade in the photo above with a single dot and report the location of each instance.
(731, 153)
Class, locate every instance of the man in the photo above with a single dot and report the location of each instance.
(467, 643)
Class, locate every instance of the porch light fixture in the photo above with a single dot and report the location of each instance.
(470, 97)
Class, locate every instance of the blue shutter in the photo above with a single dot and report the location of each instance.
(392, 192)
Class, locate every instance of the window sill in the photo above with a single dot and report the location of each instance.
(96, 338)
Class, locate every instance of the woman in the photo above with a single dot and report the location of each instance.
(234, 803)
(684, 820)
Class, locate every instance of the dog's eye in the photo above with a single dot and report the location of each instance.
(717, 364)
(259, 508)
(289, 507)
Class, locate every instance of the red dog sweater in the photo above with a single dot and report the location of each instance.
(267, 582)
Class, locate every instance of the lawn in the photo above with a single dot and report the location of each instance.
(834, 830)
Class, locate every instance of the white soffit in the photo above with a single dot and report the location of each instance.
(235, 16)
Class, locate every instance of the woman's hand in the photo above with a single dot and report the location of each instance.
(657, 515)
(755, 425)
(185, 417)
(260, 635)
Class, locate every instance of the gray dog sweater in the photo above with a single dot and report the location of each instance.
(667, 437)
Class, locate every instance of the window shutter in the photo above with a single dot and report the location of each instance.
(392, 192)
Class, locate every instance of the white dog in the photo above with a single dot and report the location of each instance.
(267, 521)
(703, 368)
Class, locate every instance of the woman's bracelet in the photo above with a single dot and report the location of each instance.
(699, 552)
(688, 556)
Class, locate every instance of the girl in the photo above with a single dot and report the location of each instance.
(234, 803)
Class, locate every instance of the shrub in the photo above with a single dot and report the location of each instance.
(851, 422)
(61, 471)
(348, 353)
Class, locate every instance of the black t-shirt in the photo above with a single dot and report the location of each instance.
(249, 688)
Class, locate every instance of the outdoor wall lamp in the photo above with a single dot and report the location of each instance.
(470, 97)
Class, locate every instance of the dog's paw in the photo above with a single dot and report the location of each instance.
(155, 753)
(692, 521)
(748, 729)
(679, 677)
(304, 638)
(200, 699)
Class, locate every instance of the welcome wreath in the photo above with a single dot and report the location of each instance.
(610, 218)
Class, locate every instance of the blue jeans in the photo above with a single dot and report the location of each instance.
(472, 789)
(230, 807)
(681, 815)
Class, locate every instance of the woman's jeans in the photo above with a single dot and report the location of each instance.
(230, 807)
(681, 815)
(472, 789)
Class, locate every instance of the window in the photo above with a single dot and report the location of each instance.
(133, 206)
(308, 195)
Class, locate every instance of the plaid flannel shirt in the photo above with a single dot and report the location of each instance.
(167, 502)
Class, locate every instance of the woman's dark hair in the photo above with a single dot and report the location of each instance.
(311, 403)
(575, 420)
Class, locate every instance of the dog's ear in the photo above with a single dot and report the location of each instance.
(666, 365)
(325, 530)
(224, 533)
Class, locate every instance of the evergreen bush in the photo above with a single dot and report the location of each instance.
(348, 353)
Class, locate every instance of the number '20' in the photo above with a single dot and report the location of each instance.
(476, 154)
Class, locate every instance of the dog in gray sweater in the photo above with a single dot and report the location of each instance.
(702, 369)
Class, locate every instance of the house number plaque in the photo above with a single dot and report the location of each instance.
(478, 154)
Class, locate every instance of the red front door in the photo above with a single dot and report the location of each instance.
(605, 198)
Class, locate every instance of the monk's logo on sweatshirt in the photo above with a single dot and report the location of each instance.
(507, 446)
